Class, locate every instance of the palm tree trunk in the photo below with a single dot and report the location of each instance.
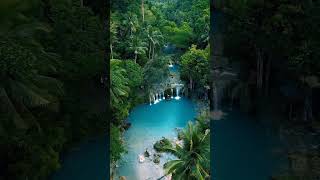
(153, 51)
(142, 10)
(111, 51)
(149, 50)
(135, 57)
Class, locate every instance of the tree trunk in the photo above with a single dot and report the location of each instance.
(111, 51)
(149, 50)
(190, 82)
(142, 10)
(81, 3)
(153, 46)
(135, 57)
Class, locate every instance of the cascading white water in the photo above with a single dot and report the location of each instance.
(177, 91)
(163, 95)
(156, 99)
(171, 93)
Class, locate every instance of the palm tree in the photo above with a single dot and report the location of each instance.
(155, 37)
(138, 46)
(119, 82)
(132, 22)
(142, 10)
(113, 31)
(24, 64)
(193, 157)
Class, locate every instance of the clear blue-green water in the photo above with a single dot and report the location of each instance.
(174, 69)
(149, 124)
(244, 149)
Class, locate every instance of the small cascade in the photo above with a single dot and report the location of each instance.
(163, 95)
(156, 99)
(177, 91)
(160, 98)
(171, 93)
(170, 64)
(150, 100)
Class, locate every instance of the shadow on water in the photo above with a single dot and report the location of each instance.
(243, 149)
(87, 161)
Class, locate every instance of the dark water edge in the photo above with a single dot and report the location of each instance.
(86, 161)
(243, 148)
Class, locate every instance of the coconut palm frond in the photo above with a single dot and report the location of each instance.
(8, 107)
(25, 95)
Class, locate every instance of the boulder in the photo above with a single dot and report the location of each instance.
(146, 153)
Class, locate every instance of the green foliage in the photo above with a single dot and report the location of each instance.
(162, 145)
(134, 72)
(180, 36)
(119, 82)
(155, 71)
(116, 145)
(47, 59)
(193, 157)
(139, 30)
(195, 66)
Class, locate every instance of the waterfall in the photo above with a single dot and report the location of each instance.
(177, 91)
(150, 100)
(160, 98)
(163, 95)
(171, 93)
(156, 99)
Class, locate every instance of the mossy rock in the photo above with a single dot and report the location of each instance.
(156, 158)
(146, 153)
(159, 146)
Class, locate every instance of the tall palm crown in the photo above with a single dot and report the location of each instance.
(193, 158)
(137, 46)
